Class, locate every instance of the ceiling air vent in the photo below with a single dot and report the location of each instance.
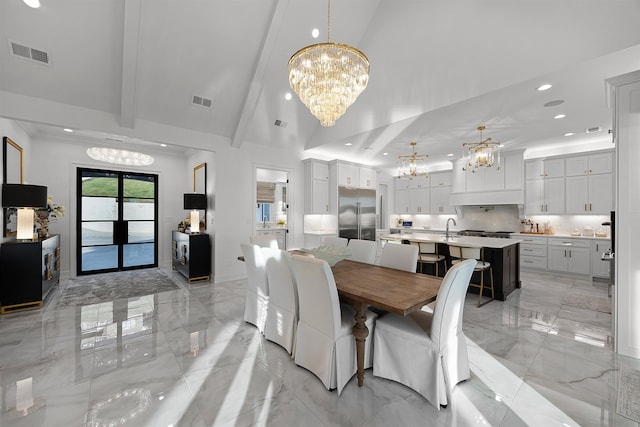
(594, 129)
(280, 123)
(26, 52)
(201, 101)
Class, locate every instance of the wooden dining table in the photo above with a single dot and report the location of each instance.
(396, 291)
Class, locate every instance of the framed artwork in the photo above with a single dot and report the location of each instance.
(200, 185)
(12, 173)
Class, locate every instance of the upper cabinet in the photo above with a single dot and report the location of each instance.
(368, 178)
(589, 165)
(424, 195)
(580, 184)
(316, 181)
(356, 176)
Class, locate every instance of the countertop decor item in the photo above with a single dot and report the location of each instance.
(328, 77)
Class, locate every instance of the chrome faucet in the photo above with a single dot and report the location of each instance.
(446, 234)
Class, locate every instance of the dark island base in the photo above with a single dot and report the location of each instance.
(506, 270)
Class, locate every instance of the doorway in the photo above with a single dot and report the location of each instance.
(272, 204)
(117, 227)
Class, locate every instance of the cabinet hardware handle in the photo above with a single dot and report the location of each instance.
(597, 250)
(565, 253)
(585, 207)
(569, 254)
(589, 207)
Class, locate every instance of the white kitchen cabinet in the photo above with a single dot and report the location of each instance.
(544, 196)
(441, 179)
(316, 181)
(599, 268)
(569, 255)
(459, 177)
(589, 194)
(533, 252)
(484, 179)
(418, 182)
(440, 201)
(513, 166)
(279, 234)
(401, 196)
(547, 168)
(367, 178)
(348, 175)
(589, 164)
(419, 200)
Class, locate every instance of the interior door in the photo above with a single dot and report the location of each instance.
(117, 227)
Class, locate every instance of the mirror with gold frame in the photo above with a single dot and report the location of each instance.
(12, 173)
(200, 185)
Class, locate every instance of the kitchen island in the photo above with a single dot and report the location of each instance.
(503, 254)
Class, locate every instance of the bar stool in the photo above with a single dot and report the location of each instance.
(428, 254)
(460, 253)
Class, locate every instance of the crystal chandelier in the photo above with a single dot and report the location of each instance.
(412, 165)
(328, 77)
(119, 157)
(482, 153)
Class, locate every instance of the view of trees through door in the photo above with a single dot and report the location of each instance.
(118, 225)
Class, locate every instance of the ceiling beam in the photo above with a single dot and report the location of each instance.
(255, 88)
(131, 39)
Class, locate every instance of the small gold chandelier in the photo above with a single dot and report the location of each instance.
(481, 154)
(328, 77)
(412, 165)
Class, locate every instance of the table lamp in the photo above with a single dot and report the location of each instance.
(196, 202)
(24, 197)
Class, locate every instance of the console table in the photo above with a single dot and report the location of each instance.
(28, 272)
(191, 255)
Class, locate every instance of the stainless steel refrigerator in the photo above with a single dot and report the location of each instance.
(357, 213)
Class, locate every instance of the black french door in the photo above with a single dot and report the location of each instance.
(117, 225)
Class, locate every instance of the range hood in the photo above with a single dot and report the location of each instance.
(266, 192)
(495, 197)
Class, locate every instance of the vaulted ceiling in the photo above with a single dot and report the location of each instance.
(439, 69)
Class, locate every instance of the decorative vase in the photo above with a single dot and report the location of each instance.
(43, 220)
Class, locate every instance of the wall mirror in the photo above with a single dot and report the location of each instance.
(12, 173)
(200, 186)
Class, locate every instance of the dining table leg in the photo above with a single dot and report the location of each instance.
(360, 333)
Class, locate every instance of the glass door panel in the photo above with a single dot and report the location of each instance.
(118, 227)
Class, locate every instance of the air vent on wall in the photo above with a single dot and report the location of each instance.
(29, 53)
(201, 101)
(280, 123)
(592, 130)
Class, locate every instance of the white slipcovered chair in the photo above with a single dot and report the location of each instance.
(427, 352)
(282, 315)
(335, 241)
(362, 250)
(400, 257)
(265, 241)
(324, 341)
(257, 299)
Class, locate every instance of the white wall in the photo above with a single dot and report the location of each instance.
(54, 163)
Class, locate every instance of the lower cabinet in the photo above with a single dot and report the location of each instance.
(28, 272)
(191, 255)
(280, 234)
(570, 255)
(600, 268)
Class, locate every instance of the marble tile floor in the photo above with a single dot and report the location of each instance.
(186, 358)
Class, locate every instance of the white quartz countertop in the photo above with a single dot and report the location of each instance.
(274, 228)
(561, 236)
(480, 242)
(322, 232)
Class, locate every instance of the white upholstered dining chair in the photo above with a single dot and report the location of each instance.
(335, 241)
(282, 314)
(265, 241)
(324, 340)
(362, 250)
(400, 257)
(257, 298)
(427, 352)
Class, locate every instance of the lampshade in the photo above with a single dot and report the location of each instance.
(195, 201)
(24, 196)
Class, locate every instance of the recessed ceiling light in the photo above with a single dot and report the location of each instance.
(287, 96)
(544, 87)
(348, 144)
(569, 134)
(554, 103)
(500, 145)
(315, 33)
(67, 130)
(385, 154)
(450, 155)
(163, 145)
(560, 116)
(32, 3)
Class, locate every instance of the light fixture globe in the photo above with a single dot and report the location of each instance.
(119, 157)
(328, 77)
